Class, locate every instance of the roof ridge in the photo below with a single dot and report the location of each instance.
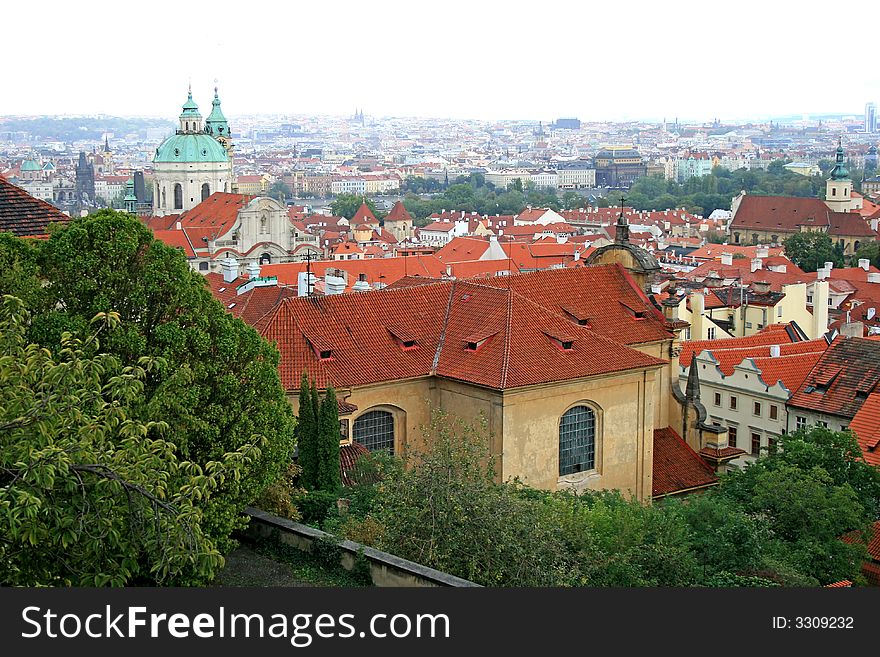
(442, 339)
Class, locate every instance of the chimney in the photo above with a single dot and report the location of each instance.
(762, 252)
(774, 351)
(656, 288)
(253, 269)
(875, 224)
(872, 312)
(761, 287)
(305, 284)
(178, 226)
(229, 267)
(864, 263)
(829, 266)
(822, 274)
(727, 259)
(873, 277)
(820, 309)
(853, 330)
(756, 264)
(698, 303)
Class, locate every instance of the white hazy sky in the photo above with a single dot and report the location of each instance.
(610, 60)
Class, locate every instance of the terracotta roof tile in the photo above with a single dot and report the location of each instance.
(24, 215)
(677, 467)
(777, 336)
(866, 426)
(841, 381)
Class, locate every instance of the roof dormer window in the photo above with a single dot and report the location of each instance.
(326, 354)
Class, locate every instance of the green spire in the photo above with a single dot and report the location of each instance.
(189, 107)
(215, 124)
(130, 199)
(839, 172)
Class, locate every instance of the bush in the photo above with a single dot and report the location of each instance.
(316, 506)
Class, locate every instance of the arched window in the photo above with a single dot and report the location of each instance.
(375, 430)
(203, 266)
(206, 191)
(856, 245)
(834, 191)
(178, 196)
(736, 237)
(577, 440)
(265, 259)
(164, 199)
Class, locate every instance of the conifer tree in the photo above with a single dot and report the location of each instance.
(329, 474)
(306, 430)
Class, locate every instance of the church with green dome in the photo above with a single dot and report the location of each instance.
(194, 162)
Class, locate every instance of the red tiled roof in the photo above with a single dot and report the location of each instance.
(873, 543)
(850, 224)
(439, 227)
(515, 350)
(842, 584)
(766, 337)
(24, 215)
(866, 426)
(850, 369)
(461, 249)
(176, 239)
(779, 213)
(215, 215)
(791, 366)
(349, 453)
(364, 216)
(677, 467)
(251, 306)
(398, 213)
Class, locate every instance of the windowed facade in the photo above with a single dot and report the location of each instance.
(206, 191)
(375, 431)
(577, 440)
(756, 444)
(800, 422)
(178, 196)
(731, 436)
(732, 403)
(718, 399)
(774, 412)
(711, 332)
(757, 409)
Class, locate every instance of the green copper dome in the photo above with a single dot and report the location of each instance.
(191, 147)
(30, 165)
(839, 172)
(189, 107)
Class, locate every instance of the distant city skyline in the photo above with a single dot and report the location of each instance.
(463, 60)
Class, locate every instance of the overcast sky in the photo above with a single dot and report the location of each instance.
(462, 59)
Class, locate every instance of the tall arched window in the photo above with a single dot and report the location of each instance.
(206, 191)
(375, 430)
(178, 197)
(577, 440)
(164, 199)
(265, 259)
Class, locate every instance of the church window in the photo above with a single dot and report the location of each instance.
(203, 266)
(845, 191)
(206, 191)
(178, 196)
(375, 430)
(834, 191)
(187, 126)
(577, 440)
(265, 259)
(856, 245)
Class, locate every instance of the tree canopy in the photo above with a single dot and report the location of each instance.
(215, 384)
(812, 250)
(347, 205)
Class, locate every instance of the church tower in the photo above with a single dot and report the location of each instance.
(191, 164)
(838, 188)
(217, 126)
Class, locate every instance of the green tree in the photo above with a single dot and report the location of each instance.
(347, 205)
(90, 494)
(329, 476)
(217, 388)
(306, 433)
(280, 191)
(871, 251)
(811, 250)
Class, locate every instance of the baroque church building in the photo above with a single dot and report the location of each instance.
(193, 163)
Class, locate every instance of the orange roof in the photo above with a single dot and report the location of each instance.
(364, 216)
(715, 251)
(177, 239)
(677, 467)
(25, 215)
(780, 334)
(728, 358)
(251, 306)
(514, 335)
(866, 426)
(398, 213)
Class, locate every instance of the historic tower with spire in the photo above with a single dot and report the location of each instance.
(838, 188)
(194, 162)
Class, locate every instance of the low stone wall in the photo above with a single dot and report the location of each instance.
(385, 569)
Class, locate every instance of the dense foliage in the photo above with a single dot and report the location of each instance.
(214, 383)
(317, 434)
(777, 522)
(347, 205)
(812, 250)
(90, 494)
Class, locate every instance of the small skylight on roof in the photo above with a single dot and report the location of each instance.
(231, 305)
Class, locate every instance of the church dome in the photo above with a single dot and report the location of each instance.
(30, 165)
(191, 148)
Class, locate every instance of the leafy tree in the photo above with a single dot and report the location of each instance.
(871, 251)
(347, 205)
(280, 191)
(572, 201)
(92, 495)
(306, 433)
(812, 250)
(329, 475)
(217, 386)
(517, 184)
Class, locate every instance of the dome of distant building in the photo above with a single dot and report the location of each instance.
(191, 148)
(193, 163)
(30, 165)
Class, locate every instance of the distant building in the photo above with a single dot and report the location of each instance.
(194, 162)
(619, 166)
(85, 180)
(568, 124)
(870, 118)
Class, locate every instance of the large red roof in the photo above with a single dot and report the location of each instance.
(778, 334)
(779, 213)
(515, 340)
(677, 467)
(841, 381)
(24, 215)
